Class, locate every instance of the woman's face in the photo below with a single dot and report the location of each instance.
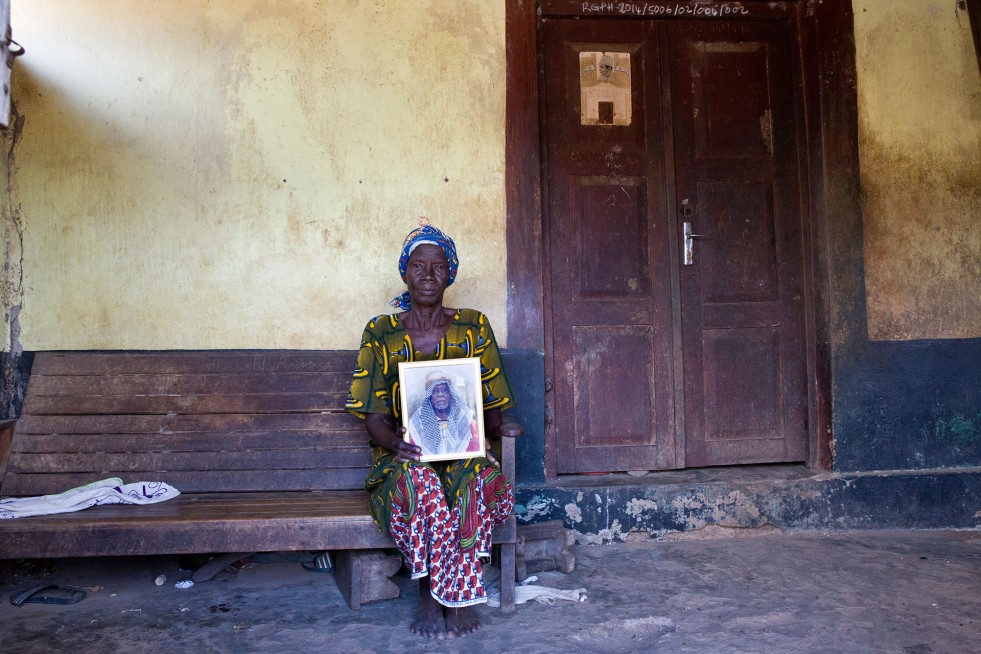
(426, 274)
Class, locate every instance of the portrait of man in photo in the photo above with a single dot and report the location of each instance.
(443, 424)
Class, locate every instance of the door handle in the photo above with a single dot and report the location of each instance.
(688, 253)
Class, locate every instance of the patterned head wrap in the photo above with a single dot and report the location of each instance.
(425, 234)
(436, 377)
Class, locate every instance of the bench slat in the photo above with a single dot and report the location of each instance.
(16, 484)
(236, 522)
(125, 462)
(190, 403)
(102, 363)
(228, 422)
(223, 384)
(256, 441)
(189, 441)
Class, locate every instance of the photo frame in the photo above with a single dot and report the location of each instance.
(605, 88)
(442, 405)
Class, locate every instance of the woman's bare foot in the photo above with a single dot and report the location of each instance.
(462, 621)
(429, 617)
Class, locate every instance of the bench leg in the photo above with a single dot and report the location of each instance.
(6, 571)
(507, 577)
(365, 576)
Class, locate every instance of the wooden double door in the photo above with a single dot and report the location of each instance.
(664, 356)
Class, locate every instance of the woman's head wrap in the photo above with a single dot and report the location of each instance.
(425, 234)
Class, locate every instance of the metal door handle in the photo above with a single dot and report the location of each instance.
(687, 251)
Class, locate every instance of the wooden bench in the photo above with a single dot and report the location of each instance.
(257, 442)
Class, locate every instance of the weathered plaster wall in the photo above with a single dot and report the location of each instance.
(919, 100)
(11, 282)
(241, 174)
(623, 510)
(14, 364)
(906, 351)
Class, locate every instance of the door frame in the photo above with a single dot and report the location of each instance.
(832, 225)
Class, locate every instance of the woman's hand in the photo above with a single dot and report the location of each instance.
(492, 429)
(403, 449)
(382, 431)
(492, 423)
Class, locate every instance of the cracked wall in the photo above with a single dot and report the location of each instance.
(11, 280)
(14, 366)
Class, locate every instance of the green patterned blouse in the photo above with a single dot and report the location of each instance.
(385, 343)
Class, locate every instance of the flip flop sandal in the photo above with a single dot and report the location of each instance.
(48, 594)
(320, 563)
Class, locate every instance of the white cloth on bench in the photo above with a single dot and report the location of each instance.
(107, 491)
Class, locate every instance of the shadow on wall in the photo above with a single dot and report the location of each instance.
(526, 373)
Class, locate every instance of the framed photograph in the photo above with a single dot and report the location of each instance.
(604, 88)
(443, 408)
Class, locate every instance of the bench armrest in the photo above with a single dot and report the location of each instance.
(511, 428)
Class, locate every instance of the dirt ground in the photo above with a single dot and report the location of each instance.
(909, 592)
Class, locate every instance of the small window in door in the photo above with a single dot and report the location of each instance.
(604, 85)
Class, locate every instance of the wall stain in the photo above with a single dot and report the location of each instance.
(716, 509)
(12, 280)
(922, 242)
(12, 363)
(920, 153)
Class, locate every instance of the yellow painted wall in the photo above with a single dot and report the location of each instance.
(232, 174)
(148, 180)
(919, 100)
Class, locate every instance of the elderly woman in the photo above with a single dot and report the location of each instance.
(440, 515)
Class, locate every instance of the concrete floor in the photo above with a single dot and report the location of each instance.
(716, 590)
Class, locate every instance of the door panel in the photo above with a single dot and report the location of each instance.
(728, 92)
(736, 164)
(610, 238)
(712, 132)
(743, 232)
(608, 256)
(730, 355)
(602, 353)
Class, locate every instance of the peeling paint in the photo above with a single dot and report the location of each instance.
(636, 507)
(732, 509)
(12, 279)
(14, 377)
(722, 509)
(603, 537)
(539, 507)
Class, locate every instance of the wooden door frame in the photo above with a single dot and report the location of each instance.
(832, 230)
